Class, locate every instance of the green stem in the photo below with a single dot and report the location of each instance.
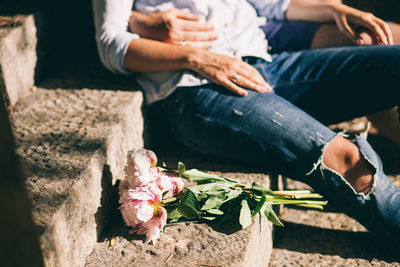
(169, 200)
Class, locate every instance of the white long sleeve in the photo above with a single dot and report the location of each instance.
(111, 19)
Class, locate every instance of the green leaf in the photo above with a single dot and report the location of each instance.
(174, 213)
(189, 207)
(188, 212)
(213, 202)
(190, 199)
(181, 168)
(232, 194)
(207, 187)
(262, 200)
(214, 193)
(271, 215)
(200, 177)
(245, 214)
(164, 194)
(215, 211)
(225, 217)
(209, 218)
(201, 195)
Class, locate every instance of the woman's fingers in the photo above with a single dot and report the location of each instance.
(251, 74)
(196, 26)
(228, 84)
(183, 14)
(185, 28)
(378, 27)
(230, 72)
(204, 45)
(344, 27)
(386, 30)
(198, 36)
(246, 83)
(377, 30)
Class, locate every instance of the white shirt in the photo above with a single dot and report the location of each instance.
(235, 21)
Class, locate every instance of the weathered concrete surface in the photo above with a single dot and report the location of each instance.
(73, 144)
(315, 238)
(20, 244)
(17, 58)
(328, 238)
(189, 244)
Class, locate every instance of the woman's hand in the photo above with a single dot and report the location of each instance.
(174, 26)
(232, 73)
(349, 19)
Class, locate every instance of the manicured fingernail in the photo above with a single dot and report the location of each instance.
(261, 89)
(243, 93)
(360, 42)
(268, 88)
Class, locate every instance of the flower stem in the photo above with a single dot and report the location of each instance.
(169, 200)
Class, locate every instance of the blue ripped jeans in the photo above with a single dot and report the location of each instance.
(285, 131)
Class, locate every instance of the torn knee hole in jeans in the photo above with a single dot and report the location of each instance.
(361, 177)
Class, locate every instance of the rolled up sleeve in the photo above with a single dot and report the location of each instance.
(271, 8)
(111, 19)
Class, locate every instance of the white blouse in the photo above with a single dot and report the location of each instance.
(235, 21)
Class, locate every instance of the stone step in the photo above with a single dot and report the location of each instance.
(17, 57)
(189, 244)
(327, 238)
(73, 145)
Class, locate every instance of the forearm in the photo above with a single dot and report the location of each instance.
(321, 11)
(143, 25)
(144, 55)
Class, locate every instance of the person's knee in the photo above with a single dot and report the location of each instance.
(345, 158)
(365, 37)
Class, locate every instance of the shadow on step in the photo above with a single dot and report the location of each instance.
(91, 76)
(309, 239)
(60, 155)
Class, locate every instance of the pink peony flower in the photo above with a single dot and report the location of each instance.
(153, 227)
(141, 167)
(141, 193)
(142, 210)
(171, 183)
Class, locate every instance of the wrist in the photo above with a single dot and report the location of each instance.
(194, 58)
(334, 9)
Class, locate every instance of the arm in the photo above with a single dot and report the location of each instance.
(173, 26)
(122, 52)
(145, 55)
(344, 16)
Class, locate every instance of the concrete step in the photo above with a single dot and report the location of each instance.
(17, 57)
(327, 238)
(73, 144)
(189, 244)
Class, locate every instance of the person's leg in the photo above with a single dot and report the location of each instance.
(386, 123)
(265, 129)
(329, 35)
(338, 84)
(296, 35)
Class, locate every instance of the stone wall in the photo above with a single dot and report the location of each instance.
(19, 244)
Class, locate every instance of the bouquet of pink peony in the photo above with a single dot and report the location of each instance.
(149, 195)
